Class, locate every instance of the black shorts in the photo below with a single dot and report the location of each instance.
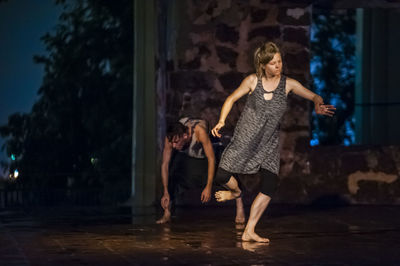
(268, 180)
(186, 172)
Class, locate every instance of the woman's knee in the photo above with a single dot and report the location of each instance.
(222, 176)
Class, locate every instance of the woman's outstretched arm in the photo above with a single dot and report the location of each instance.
(320, 108)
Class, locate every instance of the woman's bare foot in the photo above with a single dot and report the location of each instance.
(247, 236)
(224, 195)
(165, 219)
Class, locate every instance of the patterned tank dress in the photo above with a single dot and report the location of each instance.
(255, 142)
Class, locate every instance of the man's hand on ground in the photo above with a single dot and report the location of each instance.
(165, 201)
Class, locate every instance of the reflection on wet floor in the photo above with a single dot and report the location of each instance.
(299, 236)
(251, 246)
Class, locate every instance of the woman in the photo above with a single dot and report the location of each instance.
(255, 143)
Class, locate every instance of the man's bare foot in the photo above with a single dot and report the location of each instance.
(165, 219)
(247, 236)
(240, 217)
(224, 195)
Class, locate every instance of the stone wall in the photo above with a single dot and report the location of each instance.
(343, 175)
(213, 51)
(209, 50)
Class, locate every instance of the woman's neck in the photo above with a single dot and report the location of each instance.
(271, 77)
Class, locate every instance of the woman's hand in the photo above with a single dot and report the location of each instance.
(324, 109)
(215, 130)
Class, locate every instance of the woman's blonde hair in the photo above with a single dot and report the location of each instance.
(263, 55)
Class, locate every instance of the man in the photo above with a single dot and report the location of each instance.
(188, 156)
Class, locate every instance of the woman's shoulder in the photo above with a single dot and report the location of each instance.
(291, 81)
(251, 81)
(251, 78)
(292, 84)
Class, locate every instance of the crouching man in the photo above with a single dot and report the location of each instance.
(188, 157)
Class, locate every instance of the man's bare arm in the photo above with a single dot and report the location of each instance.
(166, 157)
(209, 152)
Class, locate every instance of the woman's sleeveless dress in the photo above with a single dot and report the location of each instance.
(255, 142)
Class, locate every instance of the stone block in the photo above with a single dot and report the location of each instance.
(231, 80)
(267, 33)
(189, 81)
(386, 163)
(352, 162)
(225, 33)
(302, 144)
(190, 65)
(296, 34)
(294, 16)
(258, 15)
(297, 62)
(227, 55)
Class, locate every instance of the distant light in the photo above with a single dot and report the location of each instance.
(94, 160)
(334, 101)
(16, 173)
(314, 142)
(13, 157)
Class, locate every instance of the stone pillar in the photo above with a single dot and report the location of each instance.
(377, 79)
(144, 105)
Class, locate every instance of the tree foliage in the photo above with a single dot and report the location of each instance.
(79, 129)
(333, 70)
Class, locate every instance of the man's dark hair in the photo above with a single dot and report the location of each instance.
(176, 129)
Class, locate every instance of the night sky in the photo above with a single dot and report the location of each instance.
(22, 23)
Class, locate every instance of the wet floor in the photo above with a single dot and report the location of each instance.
(361, 235)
